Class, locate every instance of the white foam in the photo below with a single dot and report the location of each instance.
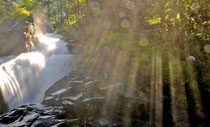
(25, 78)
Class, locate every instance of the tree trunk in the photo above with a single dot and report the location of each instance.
(167, 111)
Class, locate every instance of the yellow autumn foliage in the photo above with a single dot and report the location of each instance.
(19, 13)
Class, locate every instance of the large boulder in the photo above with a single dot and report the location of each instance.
(29, 116)
(12, 37)
(87, 102)
(77, 100)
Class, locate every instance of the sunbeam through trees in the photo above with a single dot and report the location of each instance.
(135, 63)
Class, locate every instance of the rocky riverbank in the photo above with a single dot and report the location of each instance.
(77, 100)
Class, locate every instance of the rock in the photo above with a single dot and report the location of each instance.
(12, 37)
(82, 99)
(47, 121)
(76, 100)
(104, 122)
(29, 115)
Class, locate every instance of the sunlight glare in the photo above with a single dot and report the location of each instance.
(196, 6)
(48, 41)
(207, 48)
(96, 11)
(122, 15)
(35, 58)
(143, 42)
(130, 5)
(125, 24)
(191, 59)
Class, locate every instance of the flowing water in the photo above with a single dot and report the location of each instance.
(25, 78)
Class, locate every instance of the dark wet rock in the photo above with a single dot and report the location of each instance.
(46, 121)
(29, 115)
(83, 98)
(12, 116)
(76, 100)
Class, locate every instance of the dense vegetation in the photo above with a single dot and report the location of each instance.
(160, 46)
(60, 12)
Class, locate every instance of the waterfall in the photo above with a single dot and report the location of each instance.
(25, 78)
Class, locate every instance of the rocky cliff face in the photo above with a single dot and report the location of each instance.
(77, 100)
(11, 37)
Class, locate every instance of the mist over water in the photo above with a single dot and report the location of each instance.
(25, 78)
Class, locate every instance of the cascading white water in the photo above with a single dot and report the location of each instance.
(25, 78)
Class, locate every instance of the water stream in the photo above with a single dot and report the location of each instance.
(25, 78)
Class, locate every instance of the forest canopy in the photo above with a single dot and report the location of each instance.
(127, 39)
(191, 14)
(60, 12)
